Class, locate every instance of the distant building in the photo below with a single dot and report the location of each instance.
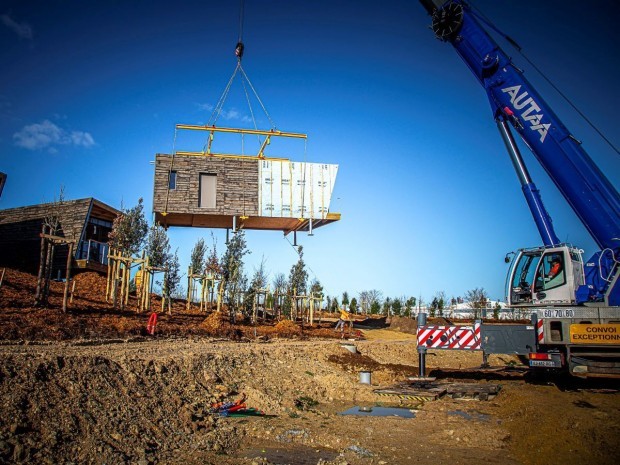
(464, 311)
(88, 221)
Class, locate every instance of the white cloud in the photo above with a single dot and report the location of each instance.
(227, 115)
(205, 106)
(46, 134)
(83, 139)
(23, 30)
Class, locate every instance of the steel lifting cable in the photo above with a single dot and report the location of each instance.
(220, 104)
(243, 175)
(247, 97)
(303, 181)
(517, 47)
(273, 125)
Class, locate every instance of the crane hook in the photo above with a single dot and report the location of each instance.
(239, 50)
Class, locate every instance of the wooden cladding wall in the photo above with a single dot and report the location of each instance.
(20, 229)
(236, 191)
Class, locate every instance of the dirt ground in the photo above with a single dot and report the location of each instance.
(112, 394)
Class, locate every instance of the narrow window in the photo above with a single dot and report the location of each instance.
(172, 180)
(208, 190)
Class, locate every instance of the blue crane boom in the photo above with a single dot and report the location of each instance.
(515, 102)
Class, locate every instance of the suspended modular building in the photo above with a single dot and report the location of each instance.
(215, 190)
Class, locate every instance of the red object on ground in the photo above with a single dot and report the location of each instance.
(234, 408)
(150, 326)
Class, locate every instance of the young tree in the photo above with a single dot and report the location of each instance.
(345, 299)
(496, 309)
(298, 276)
(54, 219)
(173, 277)
(397, 306)
(334, 305)
(232, 267)
(440, 300)
(375, 307)
(54, 224)
(212, 262)
(129, 230)
(157, 246)
(353, 305)
(477, 300)
(259, 281)
(368, 299)
(198, 258)
(158, 250)
(387, 306)
(279, 293)
(410, 305)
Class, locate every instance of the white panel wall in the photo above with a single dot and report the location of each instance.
(295, 190)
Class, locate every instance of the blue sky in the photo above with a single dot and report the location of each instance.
(90, 91)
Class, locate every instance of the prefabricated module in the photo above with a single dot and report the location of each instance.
(223, 190)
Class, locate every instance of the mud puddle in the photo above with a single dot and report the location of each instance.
(470, 416)
(289, 454)
(379, 412)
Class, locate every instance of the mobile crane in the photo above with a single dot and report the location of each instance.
(575, 307)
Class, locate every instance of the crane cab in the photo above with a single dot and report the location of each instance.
(545, 276)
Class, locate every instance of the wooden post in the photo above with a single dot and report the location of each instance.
(127, 282)
(48, 275)
(109, 274)
(219, 296)
(122, 268)
(67, 278)
(168, 293)
(43, 253)
(2, 277)
(72, 291)
(189, 287)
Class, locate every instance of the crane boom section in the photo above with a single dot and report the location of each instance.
(593, 198)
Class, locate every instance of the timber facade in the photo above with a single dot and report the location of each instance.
(234, 190)
(87, 221)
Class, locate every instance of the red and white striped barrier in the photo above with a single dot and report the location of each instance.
(450, 337)
(540, 331)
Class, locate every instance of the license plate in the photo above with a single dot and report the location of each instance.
(556, 313)
(542, 363)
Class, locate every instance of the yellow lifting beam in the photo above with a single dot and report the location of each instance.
(228, 155)
(212, 130)
(260, 132)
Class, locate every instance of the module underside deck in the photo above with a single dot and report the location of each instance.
(285, 225)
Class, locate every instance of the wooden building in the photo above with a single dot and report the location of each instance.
(88, 221)
(199, 190)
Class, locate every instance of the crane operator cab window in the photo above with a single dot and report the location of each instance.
(523, 277)
(551, 272)
(545, 276)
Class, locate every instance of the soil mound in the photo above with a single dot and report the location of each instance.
(218, 324)
(286, 328)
